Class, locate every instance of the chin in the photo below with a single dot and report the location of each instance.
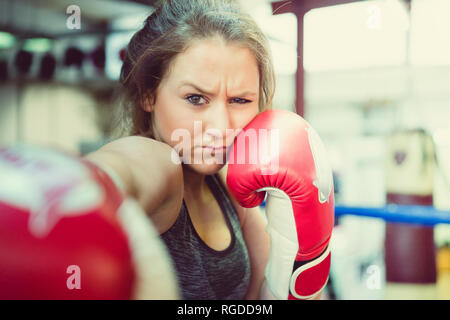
(204, 169)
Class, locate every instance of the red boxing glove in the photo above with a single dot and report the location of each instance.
(285, 157)
(66, 232)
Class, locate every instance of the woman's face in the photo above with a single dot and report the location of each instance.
(209, 92)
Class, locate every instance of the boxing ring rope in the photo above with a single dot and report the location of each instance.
(413, 214)
(424, 215)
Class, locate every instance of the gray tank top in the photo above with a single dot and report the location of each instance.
(204, 273)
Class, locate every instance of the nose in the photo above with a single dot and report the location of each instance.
(219, 128)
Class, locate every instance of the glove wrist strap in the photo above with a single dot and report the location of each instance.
(310, 278)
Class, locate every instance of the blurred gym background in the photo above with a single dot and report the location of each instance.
(373, 77)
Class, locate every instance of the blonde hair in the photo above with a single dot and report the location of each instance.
(168, 31)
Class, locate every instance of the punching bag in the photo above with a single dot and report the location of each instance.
(410, 253)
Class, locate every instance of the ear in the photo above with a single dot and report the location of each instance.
(148, 103)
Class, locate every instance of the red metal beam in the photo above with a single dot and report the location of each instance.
(284, 6)
(314, 4)
(280, 7)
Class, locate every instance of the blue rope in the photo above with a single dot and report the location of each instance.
(425, 215)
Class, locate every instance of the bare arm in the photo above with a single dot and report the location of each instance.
(148, 174)
(258, 245)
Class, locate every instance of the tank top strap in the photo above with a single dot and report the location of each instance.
(221, 194)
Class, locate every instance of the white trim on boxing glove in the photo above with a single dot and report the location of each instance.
(282, 230)
(281, 227)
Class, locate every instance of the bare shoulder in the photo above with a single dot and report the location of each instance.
(137, 147)
(149, 174)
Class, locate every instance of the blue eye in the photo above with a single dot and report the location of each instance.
(240, 101)
(195, 99)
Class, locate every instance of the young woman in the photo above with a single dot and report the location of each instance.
(202, 68)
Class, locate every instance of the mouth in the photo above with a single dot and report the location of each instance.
(215, 150)
(219, 148)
